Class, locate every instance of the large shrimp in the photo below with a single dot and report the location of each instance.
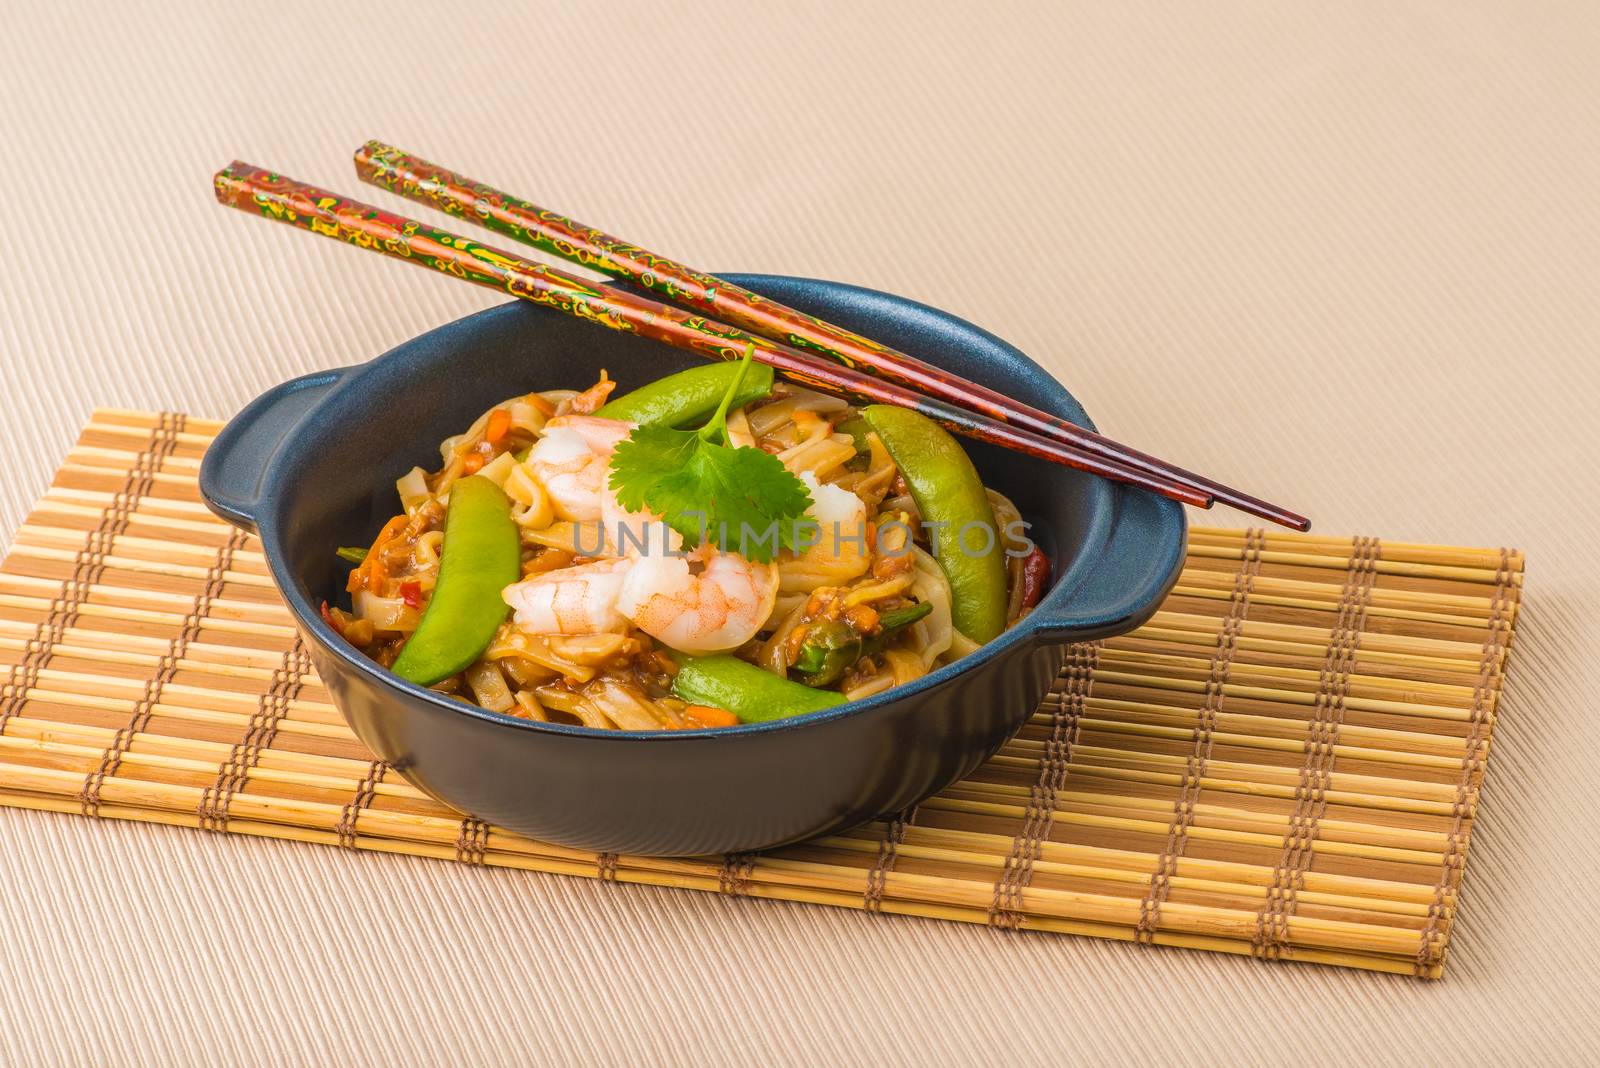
(572, 461)
(571, 600)
(717, 609)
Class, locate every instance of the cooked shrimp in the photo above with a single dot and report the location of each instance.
(601, 435)
(571, 600)
(717, 609)
(572, 460)
(635, 533)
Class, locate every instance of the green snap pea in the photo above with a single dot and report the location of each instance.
(750, 693)
(953, 502)
(688, 396)
(481, 556)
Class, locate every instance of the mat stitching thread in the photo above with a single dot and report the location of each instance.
(366, 793)
(606, 867)
(1204, 738)
(472, 842)
(259, 735)
(888, 853)
(733, 877)
(1271, 936)
(1430, 944)
(1066, 713)
(166, 668)
(88, 565)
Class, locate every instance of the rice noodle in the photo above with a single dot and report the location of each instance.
(739, 433)
(823, 455)
(933, 634)
(540, 649)
(876, 683)
(489, 687)
(630, 709)
(879, 589)
(385, 613)
(769, 418)
(531, 505)
(528, 707)
(412, 488)
(498, 469)
(586, 537)
(773, 654)
(573, 704)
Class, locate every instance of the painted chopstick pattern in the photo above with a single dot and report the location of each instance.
(467, 198)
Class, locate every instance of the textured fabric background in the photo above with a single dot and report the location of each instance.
(1343, 254)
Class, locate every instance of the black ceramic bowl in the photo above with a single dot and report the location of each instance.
(311, 465)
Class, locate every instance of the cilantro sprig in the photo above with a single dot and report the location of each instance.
(741, 499)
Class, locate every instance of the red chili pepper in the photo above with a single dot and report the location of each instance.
(1035, 576)
(331, 620)
(411, 594)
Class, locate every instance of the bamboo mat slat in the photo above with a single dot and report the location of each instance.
(1283, 763)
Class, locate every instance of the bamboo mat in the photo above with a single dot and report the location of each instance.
(1284, 762)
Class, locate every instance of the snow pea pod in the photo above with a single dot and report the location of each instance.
(688, 395)
(955, 507)
(750, 693)
(480, 557)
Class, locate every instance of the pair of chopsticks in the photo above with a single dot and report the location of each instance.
(832, 359)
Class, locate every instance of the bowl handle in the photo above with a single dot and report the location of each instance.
(236, 463)
(1129, 577)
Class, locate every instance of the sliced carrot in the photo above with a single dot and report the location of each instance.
(472, 462)
(377, 575)
(708, 716)
(499, 425)
(548, 560)
(371, 573)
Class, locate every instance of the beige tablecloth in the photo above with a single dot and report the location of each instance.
(1344, 254)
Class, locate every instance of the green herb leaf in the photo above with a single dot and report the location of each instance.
(354, 553)
(742, 500)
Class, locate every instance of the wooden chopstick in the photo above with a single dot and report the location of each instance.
(456, 194)
(274, 196)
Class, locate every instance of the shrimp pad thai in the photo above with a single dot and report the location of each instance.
(711, 549)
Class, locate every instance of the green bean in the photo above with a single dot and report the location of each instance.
(688, 396)
(832, 646)
(955, 506)
(480, 557)
(355, 554)
(857, 428)
(750, 693)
